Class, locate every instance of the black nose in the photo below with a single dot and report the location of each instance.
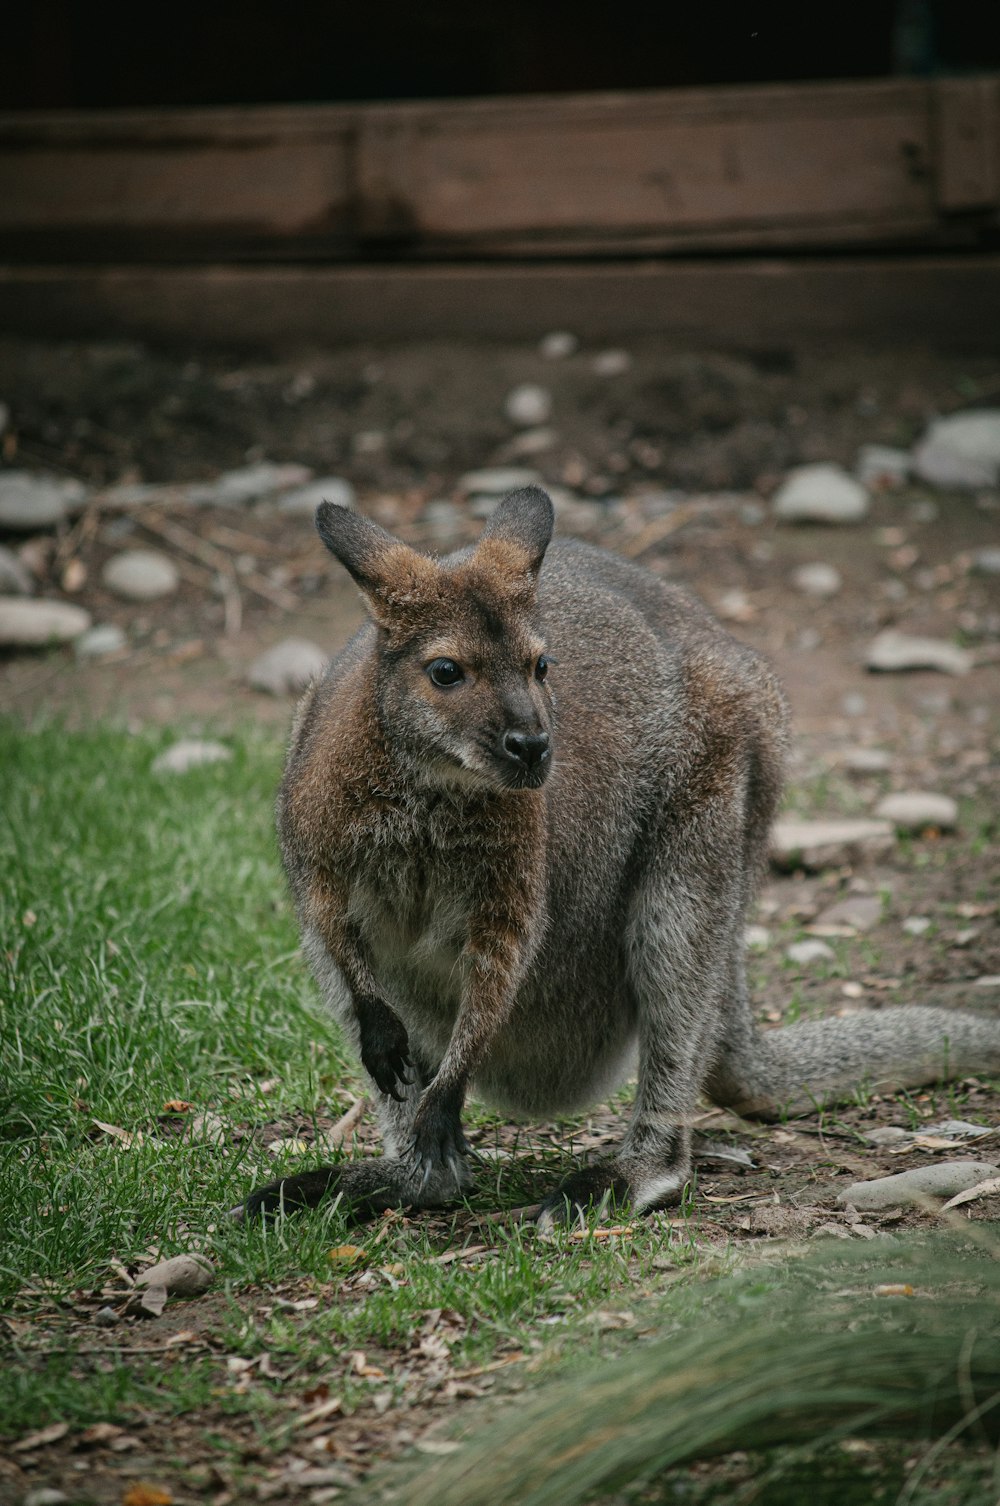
(526, 748)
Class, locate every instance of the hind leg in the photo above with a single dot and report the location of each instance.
(685, 922)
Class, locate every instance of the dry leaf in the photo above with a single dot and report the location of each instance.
(151, 1301)
(894, 1289)
(141, 1494)
(362, 1367)
(41, 1439)
(981, 1189)
(97, 1433)
(126, 1138)
(177, 1106)
(287, 1144)
(346, 1254)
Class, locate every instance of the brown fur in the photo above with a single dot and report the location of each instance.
(522, 885)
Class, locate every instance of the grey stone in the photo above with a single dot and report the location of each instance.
(988, 980)
(45, 1495)
(495, 481)
(141, 575)
(854, 704)
(956, 1129)
(829, 844)
(103, 638)
(805, 953)
(889, 1134)
(248, 483)
(891, 651)
(821, 493)
(558, 344)
(913, 810)
(302, 501)
(757, 938)
(865, 760)
(859, 911)
(30, 499)
(611, 363)
(986, 561)
(817, 579)
(15, 577)
(942, 1179)
(182, 1275)
(288, 667)
(528, 405)
(444, 522)
(106, 1317)
(917, 925)
(961, 451)
(532, 442)
(190, 753)
(882, 467)
(36, 624)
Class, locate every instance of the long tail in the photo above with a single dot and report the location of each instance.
(768, 1074)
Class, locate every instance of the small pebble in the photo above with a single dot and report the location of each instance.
(28, 623)
(986, 561)
(914, 810)
(917, 925)
(302, 501)
(961, 451)
(528, 405)
(882, 467)
(611, 363)
(866, 761)
(988, 980)
(106, 1317)
(288, 667)
(941, 1179)
(757, 938)
(97, 642)
(45, 1495)
(829, 844)
(853, 704)
(31, 500)
(141, 575)
(892, 651)
(817, 579)
(859, 911)
(557, 345)
(820, 493)
(190, 753)
(496, 481)
(805, 953)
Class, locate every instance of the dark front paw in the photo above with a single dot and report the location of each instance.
(593, 1191)
(385, 1053)
(438, 1142)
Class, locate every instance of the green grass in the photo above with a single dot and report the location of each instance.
(149, 955)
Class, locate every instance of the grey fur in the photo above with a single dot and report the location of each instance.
(531, 943)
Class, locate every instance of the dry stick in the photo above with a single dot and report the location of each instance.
(235, 538)
(658, 529)
(193, 544)
(189, 543)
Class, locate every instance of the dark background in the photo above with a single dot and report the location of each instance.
(70, 54)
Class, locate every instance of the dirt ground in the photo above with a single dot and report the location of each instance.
(680, 454)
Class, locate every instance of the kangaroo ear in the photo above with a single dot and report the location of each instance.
(394, 578)
(525, 519)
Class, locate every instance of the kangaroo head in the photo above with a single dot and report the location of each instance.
(461, 654)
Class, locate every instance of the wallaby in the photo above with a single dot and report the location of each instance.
(523, 817)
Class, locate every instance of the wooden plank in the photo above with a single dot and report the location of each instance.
(967, 123)
(949, 302)
(749, 168)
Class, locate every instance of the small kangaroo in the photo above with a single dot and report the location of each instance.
(523, 817)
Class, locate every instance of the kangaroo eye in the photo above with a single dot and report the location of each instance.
(445, 672)
(542, 668)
